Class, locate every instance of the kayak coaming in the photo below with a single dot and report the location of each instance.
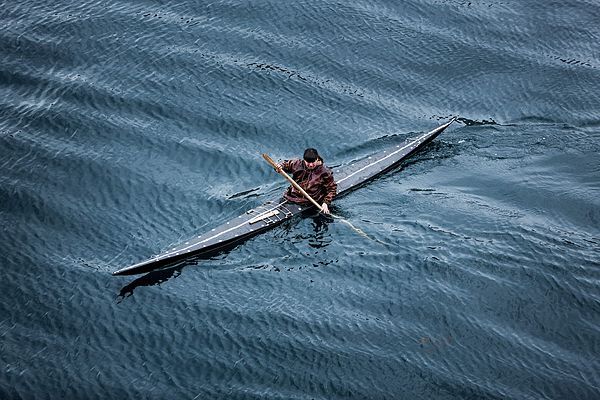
(273, 213)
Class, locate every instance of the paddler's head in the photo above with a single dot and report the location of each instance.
(311, 158)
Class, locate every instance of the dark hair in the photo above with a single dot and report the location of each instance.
(311, 155)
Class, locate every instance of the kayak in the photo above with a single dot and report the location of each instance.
(274, 212)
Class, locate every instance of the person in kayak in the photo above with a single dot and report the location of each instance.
(313, 176)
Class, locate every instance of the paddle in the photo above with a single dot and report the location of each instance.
(293, 182)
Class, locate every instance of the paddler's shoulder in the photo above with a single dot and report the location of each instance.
(325, 169)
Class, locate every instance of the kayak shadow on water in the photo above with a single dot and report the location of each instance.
(166, 273)
(162, 275)
(150, 279)
(320, 225)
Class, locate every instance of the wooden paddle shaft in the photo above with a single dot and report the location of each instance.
(293, 182)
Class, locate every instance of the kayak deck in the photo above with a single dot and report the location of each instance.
(273, 213)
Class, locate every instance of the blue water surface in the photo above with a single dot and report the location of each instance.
(127, 127)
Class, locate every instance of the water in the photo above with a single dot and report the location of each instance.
(127, 127)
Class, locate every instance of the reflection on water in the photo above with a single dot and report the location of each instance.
(321, 237)
(150, 279)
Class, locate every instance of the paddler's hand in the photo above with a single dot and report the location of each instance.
(278, 168)
(325, 208)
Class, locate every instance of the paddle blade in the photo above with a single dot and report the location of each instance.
(270, 160)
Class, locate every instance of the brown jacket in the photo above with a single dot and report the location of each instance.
(317, 182)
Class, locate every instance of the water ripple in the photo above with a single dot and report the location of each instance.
(129, 127)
